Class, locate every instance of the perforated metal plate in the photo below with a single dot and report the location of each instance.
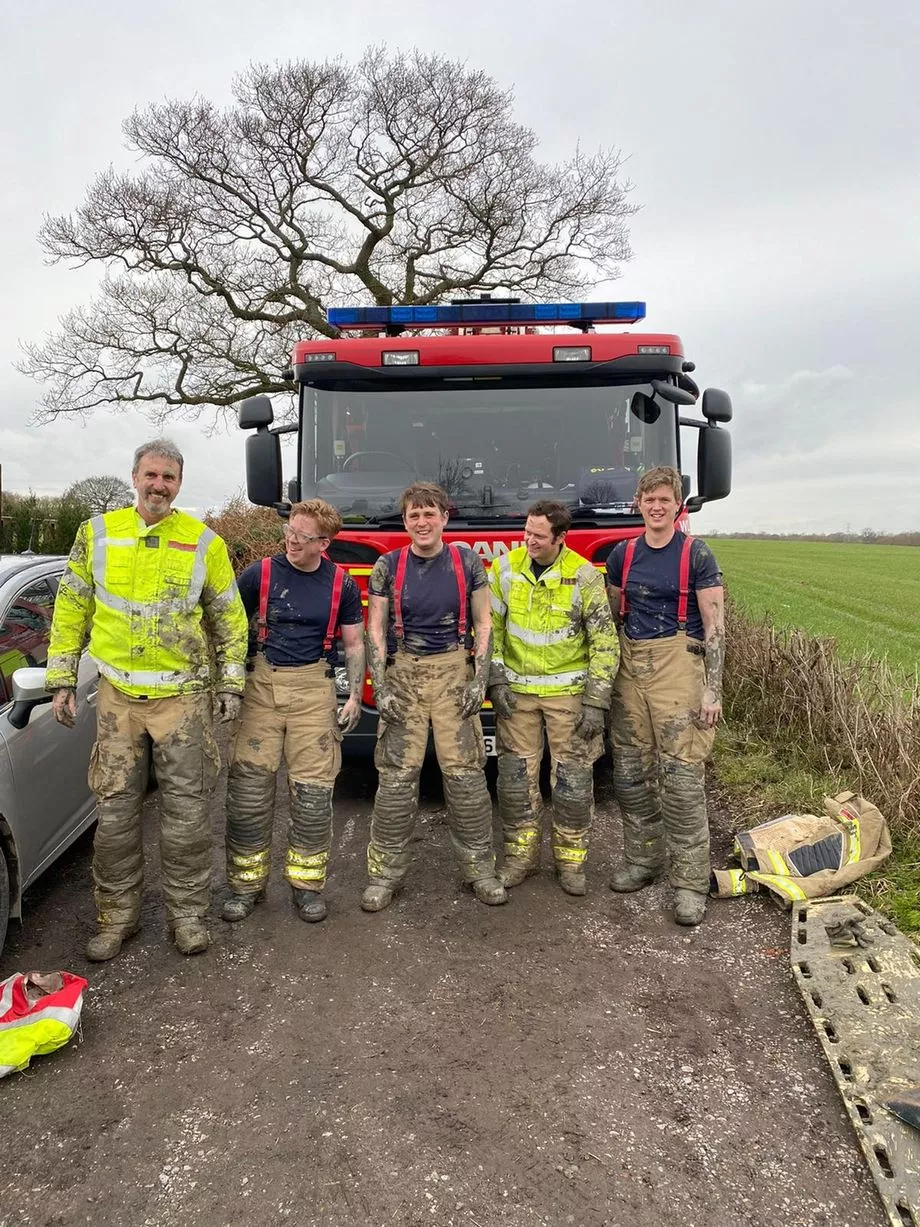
(860, 980)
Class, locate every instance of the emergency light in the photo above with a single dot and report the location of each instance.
(486, 314)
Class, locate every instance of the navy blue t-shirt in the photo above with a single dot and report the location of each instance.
(298, 609)
(430, 601)
(653, 586)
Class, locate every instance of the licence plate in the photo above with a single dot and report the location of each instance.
(489, 739)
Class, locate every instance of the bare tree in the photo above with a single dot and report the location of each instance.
(100, 494)
(402, 179)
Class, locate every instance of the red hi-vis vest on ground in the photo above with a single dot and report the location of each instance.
(37, 1015)
(264, 582)
(400, 582)
(683, 579)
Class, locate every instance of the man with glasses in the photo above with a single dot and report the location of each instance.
(300, 601)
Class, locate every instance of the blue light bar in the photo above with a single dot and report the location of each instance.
(486, 314)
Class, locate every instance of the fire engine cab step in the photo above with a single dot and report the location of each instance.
(860, 979)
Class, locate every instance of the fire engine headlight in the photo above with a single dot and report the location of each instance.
(399, 357)
(653, 349)
(571, 353)
(321, 357)
(341, 680)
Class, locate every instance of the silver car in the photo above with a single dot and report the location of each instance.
(45, 799)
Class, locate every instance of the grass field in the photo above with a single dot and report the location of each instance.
(866, 597)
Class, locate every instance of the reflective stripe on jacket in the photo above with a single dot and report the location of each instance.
(152, 597)
(554, 635)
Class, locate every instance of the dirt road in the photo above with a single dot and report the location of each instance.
(556, 1061)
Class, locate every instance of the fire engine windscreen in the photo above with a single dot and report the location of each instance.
(495, 450)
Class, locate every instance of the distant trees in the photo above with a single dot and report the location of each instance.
(48, 524)
(100, 494)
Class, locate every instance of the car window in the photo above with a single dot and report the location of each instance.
(25, 633)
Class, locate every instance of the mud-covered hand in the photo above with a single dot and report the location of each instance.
(64, 706)
(710, 709)
(350, 714)
(502, 697)
(228, 706)
(474, 693)
(591, 722)
(389, 706)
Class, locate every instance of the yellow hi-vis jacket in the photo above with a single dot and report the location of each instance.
(553, 635)
(153, 598)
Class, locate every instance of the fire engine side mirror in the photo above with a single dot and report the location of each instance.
(717, 405)
(668, 392)
(713, 466)
(255, 412)
(263, 468)
(644, 408)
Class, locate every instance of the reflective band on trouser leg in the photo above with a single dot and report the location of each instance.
(187, 762)
(250, 814)
(469, 818)
(117, 775)
(635, 786)
(392, 824)
(522, 826)
(309, 835)
(683, 808)
(573, 810)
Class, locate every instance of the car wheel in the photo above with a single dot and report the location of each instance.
(4, 897)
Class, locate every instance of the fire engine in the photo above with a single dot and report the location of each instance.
(499, 402)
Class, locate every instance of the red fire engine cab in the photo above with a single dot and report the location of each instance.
(499, 402)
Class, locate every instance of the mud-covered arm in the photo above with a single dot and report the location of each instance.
(601, 634)
(74, 606)
(225, 618)
(353, 644)
(615, 601)
(378, 616)
(712, 610)
(481, 608)
(498, 613)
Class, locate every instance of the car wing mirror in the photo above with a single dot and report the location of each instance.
(29, 690)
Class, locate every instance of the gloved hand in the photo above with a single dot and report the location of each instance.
(388, 706)
(473, 695)
(503, 701)
(228, 706)
(64, 706)
(591, 722)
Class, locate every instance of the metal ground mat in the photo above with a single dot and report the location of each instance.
(860, 979)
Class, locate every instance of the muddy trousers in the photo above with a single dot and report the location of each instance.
(430, 689)
(520, 751)
(177, 733)
(659, 754)
(289, 715)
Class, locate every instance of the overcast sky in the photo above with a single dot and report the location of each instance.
(773, 145)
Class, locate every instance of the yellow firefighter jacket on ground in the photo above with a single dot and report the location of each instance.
(556, 635)
(802, 856)
(146, 590)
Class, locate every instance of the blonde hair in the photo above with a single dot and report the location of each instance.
(662, 475)
(327, 518)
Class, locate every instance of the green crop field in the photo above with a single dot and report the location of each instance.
(867, 597)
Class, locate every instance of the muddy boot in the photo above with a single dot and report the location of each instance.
(689, 907)
(632, 877)
(238, 907)
(572, 881)
(107, 943)
(191, 935)
(515, 869)
(490, 891)
(311, 906)
(376, 897)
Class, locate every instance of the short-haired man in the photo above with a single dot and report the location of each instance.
(666, 594)
(154, 589)
(554, 657)
(302, 600)
(423, 602)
